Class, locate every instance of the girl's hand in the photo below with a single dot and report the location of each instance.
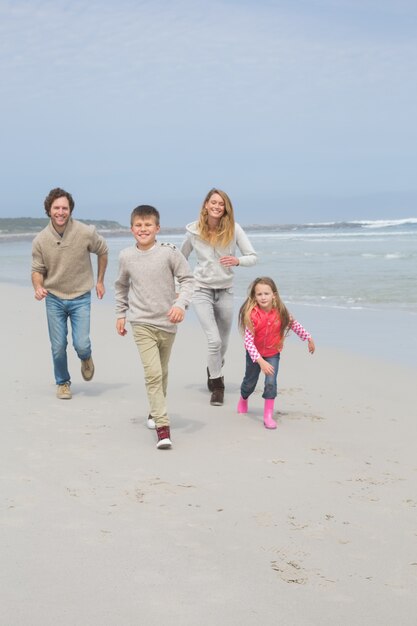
(266, 367)
(311, 346)
(229, 261)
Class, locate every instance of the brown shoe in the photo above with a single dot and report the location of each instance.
(87, 368)
(217, 395)
(164, 438)
(63, 392)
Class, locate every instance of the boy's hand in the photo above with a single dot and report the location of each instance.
(175, 315)
(311, 346)
(120, 326)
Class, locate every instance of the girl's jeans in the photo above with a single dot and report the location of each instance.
(58, 311)
(214, 308)
(252, 374)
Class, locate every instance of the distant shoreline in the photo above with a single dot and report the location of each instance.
(25, 229)
(6, 237)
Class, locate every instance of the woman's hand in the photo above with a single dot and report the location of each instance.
(229, 261)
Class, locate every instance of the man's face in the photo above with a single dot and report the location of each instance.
(144, 230)
(60, 214)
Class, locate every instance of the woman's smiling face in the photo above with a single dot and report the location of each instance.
(215, 206)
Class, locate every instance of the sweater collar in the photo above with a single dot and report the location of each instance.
(56, 234)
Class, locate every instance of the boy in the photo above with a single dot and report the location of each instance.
(145, 290)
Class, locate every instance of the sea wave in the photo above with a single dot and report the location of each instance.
(387, 223)
(357, 225)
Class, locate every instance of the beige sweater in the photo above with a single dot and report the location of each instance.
(65, 261)
(145, 285)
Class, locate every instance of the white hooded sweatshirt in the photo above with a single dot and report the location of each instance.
(209, 272)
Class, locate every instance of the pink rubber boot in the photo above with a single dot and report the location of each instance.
(269, 422)
(242, 406)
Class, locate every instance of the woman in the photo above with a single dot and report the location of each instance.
(214, 239)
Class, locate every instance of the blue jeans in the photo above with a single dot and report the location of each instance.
(252, 374)
(214, 308)
(58, 311)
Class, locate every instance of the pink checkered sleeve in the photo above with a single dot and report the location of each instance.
(250, 346)
(299, 330)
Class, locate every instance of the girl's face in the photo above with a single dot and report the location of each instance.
(264, 296)
(215, 206)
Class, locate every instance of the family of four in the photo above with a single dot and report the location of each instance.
(154, 287)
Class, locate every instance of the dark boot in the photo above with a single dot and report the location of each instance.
(210, 380)
(217, 395)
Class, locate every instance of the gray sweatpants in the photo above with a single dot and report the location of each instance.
(214, 308)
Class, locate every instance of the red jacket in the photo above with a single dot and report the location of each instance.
(267, 331)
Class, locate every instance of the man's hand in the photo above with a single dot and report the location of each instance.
(40, 293)
(100, 290)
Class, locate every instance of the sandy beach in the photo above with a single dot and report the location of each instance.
(313, 524)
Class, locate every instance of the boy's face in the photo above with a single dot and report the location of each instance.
(144, 230)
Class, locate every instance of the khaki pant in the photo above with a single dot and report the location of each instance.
(154, 347)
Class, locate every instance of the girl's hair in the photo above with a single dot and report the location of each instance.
(226, 228)
(277, 304)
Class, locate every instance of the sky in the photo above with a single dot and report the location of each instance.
(302, 111)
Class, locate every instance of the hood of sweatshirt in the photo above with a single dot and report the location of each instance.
(192, 228)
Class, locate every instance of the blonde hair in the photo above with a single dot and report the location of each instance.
(226, 228)
(277, 304)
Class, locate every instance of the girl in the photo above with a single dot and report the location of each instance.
(265, 321)
(214, 238)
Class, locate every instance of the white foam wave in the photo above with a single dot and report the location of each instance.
(385, 223)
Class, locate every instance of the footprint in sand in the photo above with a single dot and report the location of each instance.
(290, 572)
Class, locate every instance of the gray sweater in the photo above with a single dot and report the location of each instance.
(209, 272)
(65, 262)
(145, 285)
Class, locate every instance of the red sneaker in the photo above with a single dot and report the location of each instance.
(164, 441)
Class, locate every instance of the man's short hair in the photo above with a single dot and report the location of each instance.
(53, 195)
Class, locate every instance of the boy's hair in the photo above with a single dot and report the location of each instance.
(277, 304)
(53, 195)
(145, 210)
(226, 228)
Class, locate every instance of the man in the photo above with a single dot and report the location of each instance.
(62, 274)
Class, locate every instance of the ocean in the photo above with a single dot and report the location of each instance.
(355, 282)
